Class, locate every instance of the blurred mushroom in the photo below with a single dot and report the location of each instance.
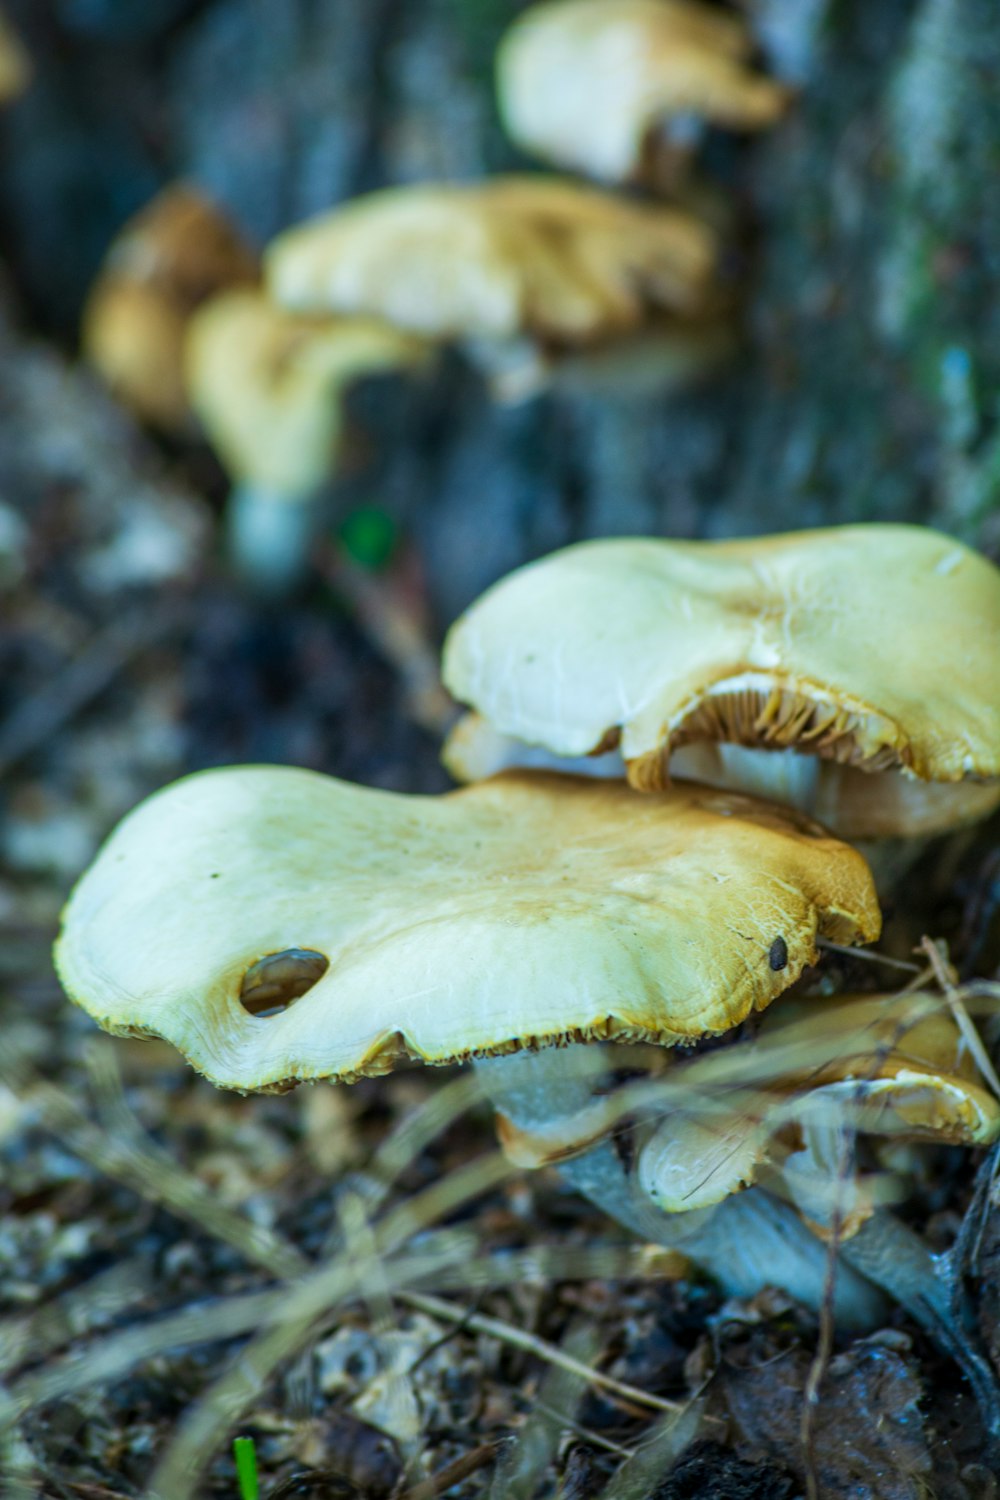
(16, 69)
(268, 387)
(519, 270)
(278, 926)
(597, 85)
(851, 672)
(176, 252)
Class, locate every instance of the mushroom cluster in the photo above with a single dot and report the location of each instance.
(672, 748)
(535, 278)
(179, 327)
(278, 926)
(852, 672)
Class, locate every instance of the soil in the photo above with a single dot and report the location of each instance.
(155, 1233)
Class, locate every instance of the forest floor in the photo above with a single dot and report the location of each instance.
(350, 1277)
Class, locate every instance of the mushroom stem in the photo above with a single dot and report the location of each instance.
(785, 776)
(888, 1253)
(749, 1241)
(269, 536)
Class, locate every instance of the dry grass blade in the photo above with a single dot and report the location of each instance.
(523, 1466)
(37, 719)
(554, 1263)
(435, 1307)
(399, 635)
(204, 1427)
(130, 1157)
(18, 1469)
(870, 955)
(74, 1313)
(639, 1476)
(414, 1133)
(452, 1474)
(126, 1153)
(729, 1080)
(595, 1439)
(106, 1360)
(947, 979)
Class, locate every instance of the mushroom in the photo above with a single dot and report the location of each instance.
(850, 672)
(887, 1066)
(176, 252)
(279, 926)
(596, 85)
(520, 270)
(269, 388)
(891, 1068)
(770, 1115)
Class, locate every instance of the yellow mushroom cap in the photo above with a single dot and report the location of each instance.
(536, 256)
(584, 83)
(179, 250)
(881, 1065)
(523, 911)
(874, 647)
(896, 1064)
(268, 385)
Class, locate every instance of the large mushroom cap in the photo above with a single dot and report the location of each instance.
(584, 83)
(872, 647)
(537, 256)
(523, 911)
(268, 385)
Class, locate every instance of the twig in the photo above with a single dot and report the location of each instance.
(824, 1346)
(398, 634)
(947, 979)
(453, 1473)
(586, 1433)
(437, 1307)
(314, 1479)
(869, 955)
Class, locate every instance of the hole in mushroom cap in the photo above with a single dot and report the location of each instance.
(273, 983)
